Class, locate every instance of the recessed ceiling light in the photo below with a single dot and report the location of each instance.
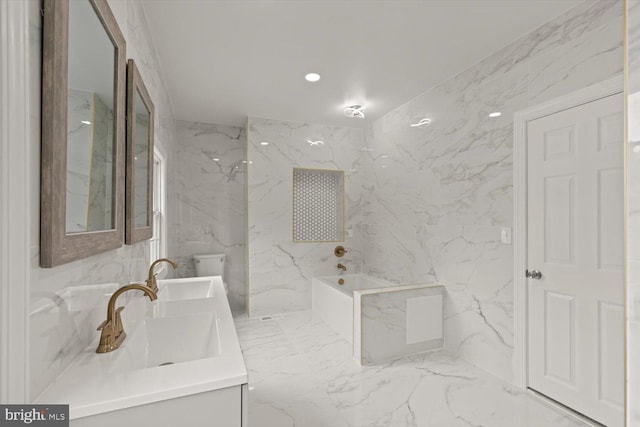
(423, 122)
(356, 111)
(85, 122)
(318, 142)
(216, 160)
(495, 114)
(312, 77)
(384, 156)
(264, 143)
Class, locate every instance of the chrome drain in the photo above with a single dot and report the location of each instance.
(166, 363)
(272, 317)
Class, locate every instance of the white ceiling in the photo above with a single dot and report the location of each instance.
(225, 60)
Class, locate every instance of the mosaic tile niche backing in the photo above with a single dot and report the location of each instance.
(318, 201)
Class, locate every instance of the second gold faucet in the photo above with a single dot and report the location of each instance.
(151, 281)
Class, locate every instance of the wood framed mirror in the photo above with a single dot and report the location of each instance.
(83, 131)
(139, 182)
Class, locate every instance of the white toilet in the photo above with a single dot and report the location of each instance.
(210, 265)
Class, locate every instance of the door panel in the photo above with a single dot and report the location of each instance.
(559, 245)
(610, 234)
(559, 323)
(611, 377)
(575, 238)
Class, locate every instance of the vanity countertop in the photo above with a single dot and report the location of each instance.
(97, 383)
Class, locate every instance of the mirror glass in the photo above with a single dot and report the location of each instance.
(91, 134)
(139, 189)
(141, 162)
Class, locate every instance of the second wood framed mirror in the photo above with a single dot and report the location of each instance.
(139, 182)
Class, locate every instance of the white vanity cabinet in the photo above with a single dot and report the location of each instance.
(225, 407)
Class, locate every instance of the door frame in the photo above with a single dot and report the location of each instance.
(597, 91)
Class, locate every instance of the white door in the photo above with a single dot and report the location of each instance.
(575, 240)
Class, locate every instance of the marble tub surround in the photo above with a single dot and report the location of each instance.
(381, 320)
(435, 198)
(280, 270)
(124, 265)
(131, 376)
(211, 200)
(302, 374)
(334, 302)
(391, 323)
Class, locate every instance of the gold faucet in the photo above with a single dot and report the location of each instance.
(342, 267)
(151, 281)
(112, 330)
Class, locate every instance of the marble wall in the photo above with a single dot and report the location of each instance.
(61, 296)
(633, 211)
(280, 270)
(211, 200)
(435, 198)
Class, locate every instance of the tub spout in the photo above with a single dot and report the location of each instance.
(342, 267)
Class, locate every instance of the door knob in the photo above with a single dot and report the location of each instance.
(533, 274)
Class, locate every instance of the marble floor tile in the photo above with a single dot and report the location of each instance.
(301, 374)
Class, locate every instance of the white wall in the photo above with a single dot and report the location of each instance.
(280, 270)
(434, 208)
(56, 337)
(210, 198)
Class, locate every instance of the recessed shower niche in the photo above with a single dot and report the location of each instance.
(318, 205)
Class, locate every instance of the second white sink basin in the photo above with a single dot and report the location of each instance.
(185, 289)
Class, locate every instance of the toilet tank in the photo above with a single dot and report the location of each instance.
(209, 264)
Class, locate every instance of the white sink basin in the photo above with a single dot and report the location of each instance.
(191, 327)
(185, 289)
(166, 341)
(165, 308)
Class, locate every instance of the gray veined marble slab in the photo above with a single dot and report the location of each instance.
(280, 269)
(435, 198)
(301, 374)
(211, 202)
